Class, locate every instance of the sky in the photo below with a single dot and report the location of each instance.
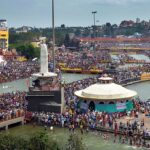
(37, 13)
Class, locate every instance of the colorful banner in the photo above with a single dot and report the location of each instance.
(121, 106)
(111, 108)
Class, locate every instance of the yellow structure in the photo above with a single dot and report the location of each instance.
(4, 36)
(145, 76)
(21, 59)
(35, 44)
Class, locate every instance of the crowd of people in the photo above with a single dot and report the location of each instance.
(14, 70)
(12, 105)
(125, 132)
(98, 60)
(85, 59)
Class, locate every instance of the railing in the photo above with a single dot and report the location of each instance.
(109, 130)
(51, 93)
(123, 48)
(33, 91)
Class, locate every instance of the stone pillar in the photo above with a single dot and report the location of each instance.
(62, 97)
(22, 122)
(6, 127)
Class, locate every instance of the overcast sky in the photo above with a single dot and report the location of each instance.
(72, 12)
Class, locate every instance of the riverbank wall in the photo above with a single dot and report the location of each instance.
(134, 82)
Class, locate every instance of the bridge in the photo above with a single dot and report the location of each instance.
(121, 43)
(125, 48)
(5, 124)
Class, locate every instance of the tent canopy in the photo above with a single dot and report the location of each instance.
(110, 91)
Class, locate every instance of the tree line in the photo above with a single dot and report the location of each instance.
(39, 141)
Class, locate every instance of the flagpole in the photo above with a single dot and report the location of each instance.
(53, 27)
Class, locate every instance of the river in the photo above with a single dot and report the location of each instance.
(21, 85)
(142, 88)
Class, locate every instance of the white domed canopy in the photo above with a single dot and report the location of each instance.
(110, 91)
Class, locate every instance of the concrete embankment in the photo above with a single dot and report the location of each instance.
(134, 82)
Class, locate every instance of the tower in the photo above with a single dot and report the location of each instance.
(4, 34)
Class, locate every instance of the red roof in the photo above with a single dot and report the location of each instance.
(121, 39)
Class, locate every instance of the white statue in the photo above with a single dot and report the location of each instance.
(44, 59)
(44, 63)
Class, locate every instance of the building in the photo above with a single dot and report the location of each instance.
(126, 23)
(106, 96)
(4, 35)
(23, 29)
(137, 20)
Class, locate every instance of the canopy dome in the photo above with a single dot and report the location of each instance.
(109, 91)
(105, 78)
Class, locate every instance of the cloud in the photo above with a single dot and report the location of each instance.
(114, 2)
(124, 1)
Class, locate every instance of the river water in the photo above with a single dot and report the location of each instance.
(142, 88)
(21, 85)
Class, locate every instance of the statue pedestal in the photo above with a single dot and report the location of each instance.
(45, 95)
(47, 101)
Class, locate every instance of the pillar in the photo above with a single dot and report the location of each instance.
(22, 122)
(6, 127)
(62, 98)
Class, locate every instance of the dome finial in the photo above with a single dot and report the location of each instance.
(105, 79)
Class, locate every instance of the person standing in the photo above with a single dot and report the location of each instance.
(81, 128)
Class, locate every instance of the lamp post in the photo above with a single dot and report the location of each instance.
(94, 13)
(53, 27)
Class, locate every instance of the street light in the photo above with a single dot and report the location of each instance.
(53, 26)
(94, 13)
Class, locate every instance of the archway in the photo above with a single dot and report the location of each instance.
(92, 106)
(101, 103)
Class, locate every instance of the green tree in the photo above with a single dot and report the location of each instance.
(9, 142)
(23, 38)
(39, 141)
(62, 25)
(75, 143)
(28, 51)
(108, 29)
(67, 40)
(78, 32)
